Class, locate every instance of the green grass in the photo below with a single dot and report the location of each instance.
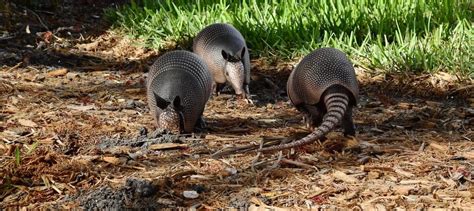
(393, 35)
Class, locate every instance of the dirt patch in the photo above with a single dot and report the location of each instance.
(135, 194)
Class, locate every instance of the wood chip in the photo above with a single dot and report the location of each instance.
(412, 182)
(403, 173)
(373, 175)
(380, 207)
(27, 123)
(112, 160)
(46, 141)
(344, 177)
(85, 159)
(439, 147)
(167, 146)
(81, 108)
(450, 182)
(467, 155)
(403, 189)
(58, 72)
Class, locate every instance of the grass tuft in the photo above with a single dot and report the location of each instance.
(394, 35)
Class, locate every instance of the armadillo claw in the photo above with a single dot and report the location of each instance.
(246, 98)
(249, 101)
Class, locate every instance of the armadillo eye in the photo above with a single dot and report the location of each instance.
(225, 55)
(227, 73)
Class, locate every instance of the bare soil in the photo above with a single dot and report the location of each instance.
(75, 132)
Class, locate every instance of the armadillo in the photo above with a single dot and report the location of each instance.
(223, 49)
(178, 86)
(324, 88)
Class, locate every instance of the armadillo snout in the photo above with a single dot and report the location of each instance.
(234, 73)
(169, 120)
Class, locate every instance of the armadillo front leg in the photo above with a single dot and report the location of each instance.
(247, 94)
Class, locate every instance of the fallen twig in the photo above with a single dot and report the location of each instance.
(299, 164)
(14, 67)
(246, 148)
(257, 156)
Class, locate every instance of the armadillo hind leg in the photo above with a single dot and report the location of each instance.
(348, 123)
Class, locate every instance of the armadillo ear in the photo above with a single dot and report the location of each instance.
(160, 102)
(177, 103)
(225, 55)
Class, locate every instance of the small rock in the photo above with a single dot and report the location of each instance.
(190, 194)
(71, 76)
(130, 104)
(140, 187)
(231, 171)
(198, 188)
(143, 131)
(40, 77)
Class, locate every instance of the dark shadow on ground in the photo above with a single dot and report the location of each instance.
(44, 33)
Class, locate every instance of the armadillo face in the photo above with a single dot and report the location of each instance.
(234, 73)
(170, 120)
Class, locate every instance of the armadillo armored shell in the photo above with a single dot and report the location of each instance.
(209, 43)
(318, 71)
(184, 74)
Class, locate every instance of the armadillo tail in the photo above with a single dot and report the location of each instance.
(336, 104)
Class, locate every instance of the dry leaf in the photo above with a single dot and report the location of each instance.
(58, 72)
(27, 123)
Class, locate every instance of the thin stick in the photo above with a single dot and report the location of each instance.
(299, 164)
(257, 156)
(14, 67)
(243, 149)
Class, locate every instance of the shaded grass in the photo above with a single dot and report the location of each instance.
(395, 35)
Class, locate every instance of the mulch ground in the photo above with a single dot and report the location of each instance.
(75, 132)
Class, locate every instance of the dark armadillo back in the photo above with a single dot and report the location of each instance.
(318, 71)
(184, 74)
(210, 42)
(325, 73)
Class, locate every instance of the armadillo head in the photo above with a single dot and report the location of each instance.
(234, 69)
(171, 117)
